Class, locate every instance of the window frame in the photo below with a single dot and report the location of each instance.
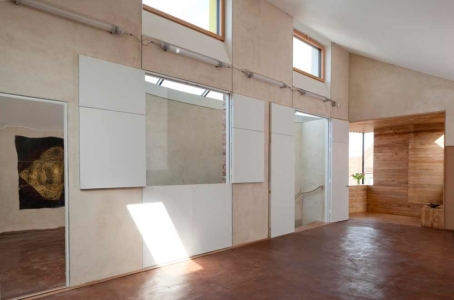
(167, 16)
(306, 39)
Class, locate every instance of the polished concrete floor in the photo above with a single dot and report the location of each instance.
(31, 261)
(348, 260)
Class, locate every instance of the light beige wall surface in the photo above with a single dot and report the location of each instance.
(262, 43)
(184, 143)
(11, 217)
(380, 90)
(171, 64)
(39, 58)
(340, 65)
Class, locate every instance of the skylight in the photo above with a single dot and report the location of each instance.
(151, 79)
(185, 88)
(215, 95)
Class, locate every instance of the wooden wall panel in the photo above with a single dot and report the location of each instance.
(357, 198)
(408, 169)
(449, 188)
(426, 164)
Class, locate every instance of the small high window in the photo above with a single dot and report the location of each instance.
(308, 56)
(205, 16)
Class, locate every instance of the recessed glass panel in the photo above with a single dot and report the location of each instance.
(183, 87)
(186, 136)
(151, 79)
(215, 95)
(306, 57)
(201, 13)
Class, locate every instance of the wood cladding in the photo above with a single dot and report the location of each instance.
(408, 169)
(395, 122)
(426, 164)
(357, 198)
(449, 188)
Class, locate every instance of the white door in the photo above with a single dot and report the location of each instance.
(282, 170)
(339, 170)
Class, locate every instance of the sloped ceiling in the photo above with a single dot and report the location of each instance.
(414, 34)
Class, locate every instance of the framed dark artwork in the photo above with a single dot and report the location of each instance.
(41, 172)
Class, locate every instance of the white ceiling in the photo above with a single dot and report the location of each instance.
(33, 114)
(414, 34)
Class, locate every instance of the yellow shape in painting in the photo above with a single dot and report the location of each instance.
(46, 174)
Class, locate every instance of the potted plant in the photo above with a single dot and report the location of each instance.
(358, 177)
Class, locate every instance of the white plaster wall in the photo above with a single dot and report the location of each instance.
(11, 217)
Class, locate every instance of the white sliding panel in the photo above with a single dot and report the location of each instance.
(339, 170)
(282, 119)
(212, 223)
(112, 125)
(110, 86)
(112, 149)
(282, 185)
(166, 224)
(180, 221)
(248, 138)
(282, 171)
(248, 159)
(248, 113)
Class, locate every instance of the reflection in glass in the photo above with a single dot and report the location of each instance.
(306, 57)
(185, 135)
(201, 13)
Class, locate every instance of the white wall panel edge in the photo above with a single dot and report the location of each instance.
(111, 86)
(282, 119)
(339, 182)
(282, 184)
(113, 163)
(248, 113)
(248, 157)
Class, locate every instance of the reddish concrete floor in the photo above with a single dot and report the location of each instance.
(348, 260)
(386, 218)
(31, 261)
(310, 226)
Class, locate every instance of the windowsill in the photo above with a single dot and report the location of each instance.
(360, 185)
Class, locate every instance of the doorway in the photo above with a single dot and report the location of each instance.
(311, 169)
(33, 196)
